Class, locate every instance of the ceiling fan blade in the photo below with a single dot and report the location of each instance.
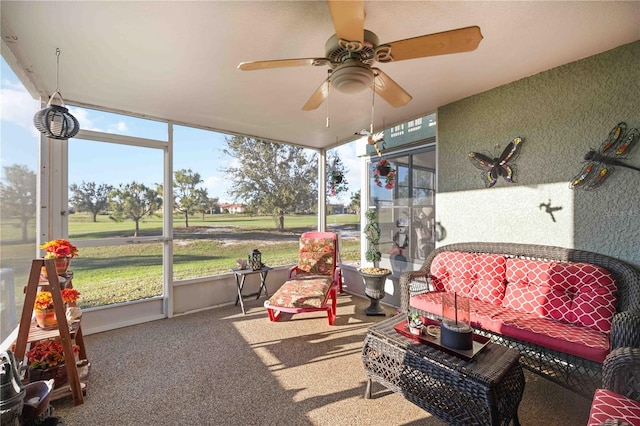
(282, 63)
(389, 90)
(453, 41)
(318, 97)
(348, 19)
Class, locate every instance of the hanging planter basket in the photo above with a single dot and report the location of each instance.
(383, 169)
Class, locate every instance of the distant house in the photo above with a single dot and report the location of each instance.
(232, 208)
(338, 209)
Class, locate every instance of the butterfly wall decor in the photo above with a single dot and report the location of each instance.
(492, 168)
(600, 163)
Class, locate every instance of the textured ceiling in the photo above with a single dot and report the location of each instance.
(178, 60)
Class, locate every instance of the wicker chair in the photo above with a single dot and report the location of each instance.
(618, 401)
(580, 375)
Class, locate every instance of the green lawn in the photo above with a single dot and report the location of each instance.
(209, 246)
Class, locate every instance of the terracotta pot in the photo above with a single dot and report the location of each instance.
(46, 319)
(62, 264)
(58, 373)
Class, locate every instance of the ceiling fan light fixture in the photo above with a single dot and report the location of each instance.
(352, 77)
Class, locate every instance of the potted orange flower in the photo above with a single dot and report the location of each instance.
(46, 361)
(62, 251)
(43, 306)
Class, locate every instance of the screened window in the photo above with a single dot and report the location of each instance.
(406, 212)
(18, 183)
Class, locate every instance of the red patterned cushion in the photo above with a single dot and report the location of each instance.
(453, 271)
(478, 276)
(490, 270)
(568, 338)
(316, 256)
(571, 292)
(608, 405)
(309, 291)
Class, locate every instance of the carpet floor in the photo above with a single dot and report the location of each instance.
(219, 367)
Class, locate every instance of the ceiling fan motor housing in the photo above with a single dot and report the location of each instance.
(338, 51)
(352, 62)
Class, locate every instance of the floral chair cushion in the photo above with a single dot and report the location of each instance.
(317, 256)
(303, 292)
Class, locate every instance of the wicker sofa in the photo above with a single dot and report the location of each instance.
(540, 333)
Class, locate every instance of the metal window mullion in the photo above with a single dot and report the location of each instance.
(167, 225)
(121, 139)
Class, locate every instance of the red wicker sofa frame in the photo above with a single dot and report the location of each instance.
(577, 374)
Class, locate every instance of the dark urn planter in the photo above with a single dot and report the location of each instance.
(374, 289)
(58, 373)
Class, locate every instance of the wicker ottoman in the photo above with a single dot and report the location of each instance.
(484, 391)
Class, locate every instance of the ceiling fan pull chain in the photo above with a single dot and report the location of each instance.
(373, 101)
(328, 99)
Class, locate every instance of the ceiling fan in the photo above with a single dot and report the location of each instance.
(352, 50)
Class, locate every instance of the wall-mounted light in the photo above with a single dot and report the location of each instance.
(55, 121)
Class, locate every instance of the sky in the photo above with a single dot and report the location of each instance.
(89, 161)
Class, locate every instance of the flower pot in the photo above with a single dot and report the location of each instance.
(58, 373)
(384, 169)
(417, 330)
(374, 289)
(62, 264)
(46, 319)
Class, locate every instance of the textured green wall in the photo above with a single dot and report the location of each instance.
(561, 114)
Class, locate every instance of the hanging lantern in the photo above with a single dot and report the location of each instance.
(255, 259)
(55, 121)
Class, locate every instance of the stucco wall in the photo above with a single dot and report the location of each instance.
(561, 114)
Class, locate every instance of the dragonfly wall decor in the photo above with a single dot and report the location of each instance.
(600, 163)
(492, 168)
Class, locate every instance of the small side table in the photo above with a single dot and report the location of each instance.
(241, 276)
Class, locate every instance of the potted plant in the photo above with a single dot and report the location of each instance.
(46, 361)
(337, 182)
(62, 251)
(384, 169)
(374, 277)
(414, 320)
(43, 306)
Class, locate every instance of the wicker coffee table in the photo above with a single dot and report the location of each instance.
(483, 391)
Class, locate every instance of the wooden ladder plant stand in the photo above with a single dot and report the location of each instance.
(29, 332)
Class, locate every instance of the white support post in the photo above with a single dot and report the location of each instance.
(322, 191)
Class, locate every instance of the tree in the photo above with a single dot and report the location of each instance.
(90, 197)
(204, 204)
(186, 195)
(213, 205)
(133, 201)
(273, 178)
(355, 202)
(18, 196)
